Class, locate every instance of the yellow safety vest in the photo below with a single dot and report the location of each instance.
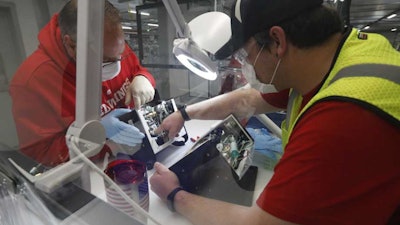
(366, 72)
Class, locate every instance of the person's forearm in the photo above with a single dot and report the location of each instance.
(242, 103)
(206, 211)
(200, 210)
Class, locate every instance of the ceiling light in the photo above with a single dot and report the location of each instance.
(141, 13)
(391, 16)
(366, 27)
(127, 28)
(393, 29)
(152, 25)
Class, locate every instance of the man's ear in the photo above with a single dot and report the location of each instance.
(70, 46)
(278, 36)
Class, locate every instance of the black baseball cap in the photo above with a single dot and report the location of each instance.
(249, 17)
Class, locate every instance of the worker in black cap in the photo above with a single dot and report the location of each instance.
(340, 88)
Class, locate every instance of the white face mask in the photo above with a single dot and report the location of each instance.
(250, 74)
(110, 70)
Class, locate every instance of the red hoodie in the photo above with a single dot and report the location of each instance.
(43, 94)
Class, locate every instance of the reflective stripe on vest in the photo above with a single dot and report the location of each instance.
(359, 84)
(390, 72)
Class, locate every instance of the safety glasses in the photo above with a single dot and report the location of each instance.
(241, 56)
(111, 62)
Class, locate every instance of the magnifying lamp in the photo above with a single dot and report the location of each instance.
(202, 36)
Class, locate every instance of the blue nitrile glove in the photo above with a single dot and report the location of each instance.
(119, 131)
(263, 140)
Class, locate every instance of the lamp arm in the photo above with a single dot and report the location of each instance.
(177, 18)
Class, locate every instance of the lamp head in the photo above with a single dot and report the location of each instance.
(199, 37)
(208, 33)
(194, 58)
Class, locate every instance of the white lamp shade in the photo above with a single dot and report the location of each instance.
(211, 30)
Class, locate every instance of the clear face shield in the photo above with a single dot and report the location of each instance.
(250, 74)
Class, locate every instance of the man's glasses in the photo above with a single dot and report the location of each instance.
(111, 62)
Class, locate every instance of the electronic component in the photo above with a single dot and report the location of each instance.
(233, 142)
(151, 117)
(219, 165)
(147, 119)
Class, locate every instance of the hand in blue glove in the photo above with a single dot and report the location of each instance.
(263, 140)
(119, 131)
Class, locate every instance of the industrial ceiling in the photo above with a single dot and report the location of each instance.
(375, 13)
(380, 16)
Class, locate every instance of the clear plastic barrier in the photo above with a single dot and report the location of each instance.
(76, 178)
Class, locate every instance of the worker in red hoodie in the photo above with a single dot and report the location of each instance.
(43, 88)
